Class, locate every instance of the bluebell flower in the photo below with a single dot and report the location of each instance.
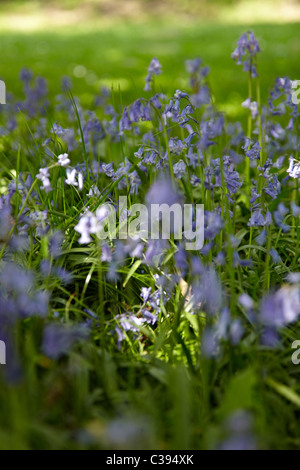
(213, 224)
(246, 301)
(19, 244)
(139, 153)
(108, 169)
(293, 278)
(154, 251)
(274, 187)
(246, 52)
(58, 129)
(94, 191)
(197, 266)
(275, 256)
(197, 72)
(252, 106)
(193, 65)
(127, 433)
(210, 345)
(26, 75)
(15, 279)
(137, 250)
(176, 146)
(201, 97)
(139, 110)
(45, 268)
(63, 160)
(150, 318)
(295, 209)
(208, 292)
(252, 150)
(220, 258)
(281, 308)
(125, 122)
(145, 293)
(236, 332)
(6, 222)
(155, 101)
(74, 178)
(294, 168)
(181, 259)
(277, 131)
(179, 169)
(58, 339)
(163, 192)
(257, 219)
(279, 216)
(237, 261)
(55, 244)
(254, 196)
(127, 322)
(239, 427)
(261, 238)
(44, 176)
(65, 276)
(270, 337)
(66, 83)
(87, 225)
(153, 69)
(106, 254)
(232, 177)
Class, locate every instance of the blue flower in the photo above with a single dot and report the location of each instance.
(145, 294)
(282, 308)
(246, 52)
(58, 339)
(253, 153)
(153, 69)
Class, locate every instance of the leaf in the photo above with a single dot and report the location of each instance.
(239, 393)
(132, 270)
(193, 321)
(284, 391)
(159, 374)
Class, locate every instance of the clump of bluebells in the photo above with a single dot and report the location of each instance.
(65, 273)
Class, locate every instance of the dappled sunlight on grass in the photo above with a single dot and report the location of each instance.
(94, 58)
(103, 14)
(266, 11)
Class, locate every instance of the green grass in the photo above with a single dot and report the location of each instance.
(162, 386)
(120, 55)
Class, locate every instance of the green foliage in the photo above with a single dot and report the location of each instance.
(162, 385)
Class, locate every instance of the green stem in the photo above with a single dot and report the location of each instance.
(249, 134)
(169, 152)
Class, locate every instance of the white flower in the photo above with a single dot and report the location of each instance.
(87, 225)
(72, 174)
(80, 181)
(94, 191)
(252, 106)
(71, 177)
(291, 160)
(43, 173)
(46, 185)
(246, 103)
(43, 176)
(63, 160)
(293, 169)
(102, 213)
(90, 223)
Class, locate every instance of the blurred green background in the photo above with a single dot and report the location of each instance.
(111, 42)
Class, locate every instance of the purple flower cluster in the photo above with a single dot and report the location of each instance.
(246, 52)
